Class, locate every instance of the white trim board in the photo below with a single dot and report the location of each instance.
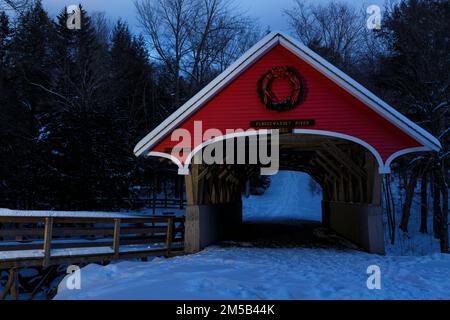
(428, 141)
(383, 167)
(206, 93)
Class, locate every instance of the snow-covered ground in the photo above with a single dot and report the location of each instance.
(412, 243)
(263, 273)
(326, 268)
(248, 271)
(288, 197)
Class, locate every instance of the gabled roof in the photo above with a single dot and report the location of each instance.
(330, 71)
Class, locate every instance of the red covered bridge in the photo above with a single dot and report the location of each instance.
(331, 128)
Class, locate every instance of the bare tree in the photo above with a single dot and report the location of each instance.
(335, 30)
(102, 25)
(165, 22)
(244, 39)
(195, 39)
(16, 5)
(416, 72)
(213, 37)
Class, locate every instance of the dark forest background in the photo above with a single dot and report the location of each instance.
(73, 103)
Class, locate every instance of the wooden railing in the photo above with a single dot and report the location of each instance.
(48, 241)
(139, 203)
(163, 203)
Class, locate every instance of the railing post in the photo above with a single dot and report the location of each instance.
(11, 286)
(47, 241)
(116, 242)
(15, 285)
(170, 230)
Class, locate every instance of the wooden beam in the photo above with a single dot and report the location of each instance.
(170, 228)
(321, 155)
(10, 285)
(116, 240)
(191, 185)
(344, 159)
(44, 279)
(48, 233)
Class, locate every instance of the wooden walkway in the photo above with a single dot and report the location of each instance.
(51, 240)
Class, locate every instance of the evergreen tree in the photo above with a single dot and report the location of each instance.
(6, 141)
(28, 63)
(416, 74)
(79, 126)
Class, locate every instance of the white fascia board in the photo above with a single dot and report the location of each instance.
(323, 66)
(360, 92)
(258, 50)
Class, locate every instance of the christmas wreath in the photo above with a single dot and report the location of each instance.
(265, 88)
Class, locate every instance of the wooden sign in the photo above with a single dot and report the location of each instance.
(282, 123)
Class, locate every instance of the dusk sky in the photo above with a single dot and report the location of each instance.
(268, 12)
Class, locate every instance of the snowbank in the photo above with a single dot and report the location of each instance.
(263, 273)
(413, 242)
(288, 197)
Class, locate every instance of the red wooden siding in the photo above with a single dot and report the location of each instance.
(331, 106)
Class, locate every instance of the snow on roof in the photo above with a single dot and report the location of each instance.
(251, 56)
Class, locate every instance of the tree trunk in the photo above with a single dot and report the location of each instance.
(408, 201)
(443, 227)
(423, 204)
(390, 211)
(444, 231)
(436, 206)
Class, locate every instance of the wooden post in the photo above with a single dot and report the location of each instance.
(192, 187)
(15, 285)
(376, 192)
(11, 285)
(47, 241)
(116, 241)
(19, 237)
(44, 279)
(169, 235)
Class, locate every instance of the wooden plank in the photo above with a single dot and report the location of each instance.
(345, 160)
(376, 188)
(15, 286)
(44, 279)
(190, 185)
(47, 241)
(22, 232)
(59, 232)
(328, 164)
(17, 219)
(9, 283)
(88, 243)
(24, 219)
(170, 227)
(78, 259)
(116, 242)
(168, 234)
